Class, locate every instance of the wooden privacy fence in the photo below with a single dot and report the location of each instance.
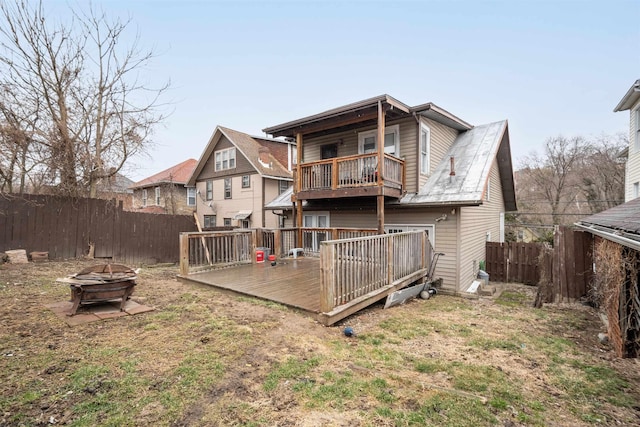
(567, 269)
(66, 227)
(359, 269)
(513, 262)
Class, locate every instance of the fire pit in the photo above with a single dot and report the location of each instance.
(101, 283)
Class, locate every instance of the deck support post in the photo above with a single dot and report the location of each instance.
(299, 187)
(380, 146)
(184, 254)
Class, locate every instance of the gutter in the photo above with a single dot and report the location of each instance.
(625, 241)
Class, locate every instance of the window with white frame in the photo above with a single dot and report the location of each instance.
(226, 159)
(246, 181)
(191, 196)
(227, 222)
(144, 197)
(209, 190)
(636, 190)
(425, 149)
(227, 188)
(401, 228)
(157, 196)
(367, 141)
(637, 129)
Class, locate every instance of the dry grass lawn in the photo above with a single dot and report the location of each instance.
(206, 358)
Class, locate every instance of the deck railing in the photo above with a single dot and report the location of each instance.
(206, 250)
(359, 170)
(359, 268)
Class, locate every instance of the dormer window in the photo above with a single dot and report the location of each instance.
(226, 159)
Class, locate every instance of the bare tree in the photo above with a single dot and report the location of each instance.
(602, 174)
(550, 178)
(77, 93)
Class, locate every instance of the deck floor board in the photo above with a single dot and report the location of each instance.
(292, 282)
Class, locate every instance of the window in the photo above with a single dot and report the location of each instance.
(367, 140)
(425, 150)
(144, 197)
(227, 222)
(245, 223)
(157, 196)
(191, 196)
(227, 188)
(209, 221)
(226, 159)
(636, 190)
(637, 129)
(283, 186)
(209, 195)
(488, 193)
(246, 181)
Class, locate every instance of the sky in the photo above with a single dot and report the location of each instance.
(549, 67)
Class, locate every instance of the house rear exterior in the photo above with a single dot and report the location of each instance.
(165, 192)
(434, 172)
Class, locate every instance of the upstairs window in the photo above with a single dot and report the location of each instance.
(367, 141)
(425, 150)
(209, 221)
(157, 196)
(191, 196)
(227, 188)
(209, 190)
(637, 129)
(246, 181)
(144, 197)
(283, 186)
(226, 159)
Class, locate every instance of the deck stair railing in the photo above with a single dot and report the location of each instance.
(362, 267)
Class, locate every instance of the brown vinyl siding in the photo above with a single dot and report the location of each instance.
(475, 222)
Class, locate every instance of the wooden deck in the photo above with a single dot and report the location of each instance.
(292, 282)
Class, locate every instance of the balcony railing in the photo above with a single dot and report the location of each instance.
(355, 171)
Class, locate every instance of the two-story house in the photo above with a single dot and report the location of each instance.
(433, 171)
(165, 192)
(631, 102)
(235, 177)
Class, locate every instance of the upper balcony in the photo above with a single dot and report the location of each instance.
(350, 176)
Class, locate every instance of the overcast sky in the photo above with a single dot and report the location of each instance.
(548, 67)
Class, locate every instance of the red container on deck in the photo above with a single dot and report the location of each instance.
(272, 257)
(259, 256)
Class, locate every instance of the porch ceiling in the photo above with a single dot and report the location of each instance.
(342, 118)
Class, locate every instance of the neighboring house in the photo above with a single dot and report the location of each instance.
(236, 175)
(631, 102)
(117, 187)
(439, 174)
(166, 192)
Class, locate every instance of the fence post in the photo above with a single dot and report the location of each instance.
(327, 277)
(184, 254)
(390, 240)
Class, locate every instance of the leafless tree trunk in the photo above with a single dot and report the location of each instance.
(77, 92)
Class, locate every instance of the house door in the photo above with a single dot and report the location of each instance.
(315, 235)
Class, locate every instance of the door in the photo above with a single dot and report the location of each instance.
(313, 237)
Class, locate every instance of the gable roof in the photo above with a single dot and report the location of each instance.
(178, 174)
(473, 153)
(361, 113)
(249, 147)
(620, 224)
(630, 98)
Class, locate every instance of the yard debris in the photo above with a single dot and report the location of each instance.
(18, 256)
